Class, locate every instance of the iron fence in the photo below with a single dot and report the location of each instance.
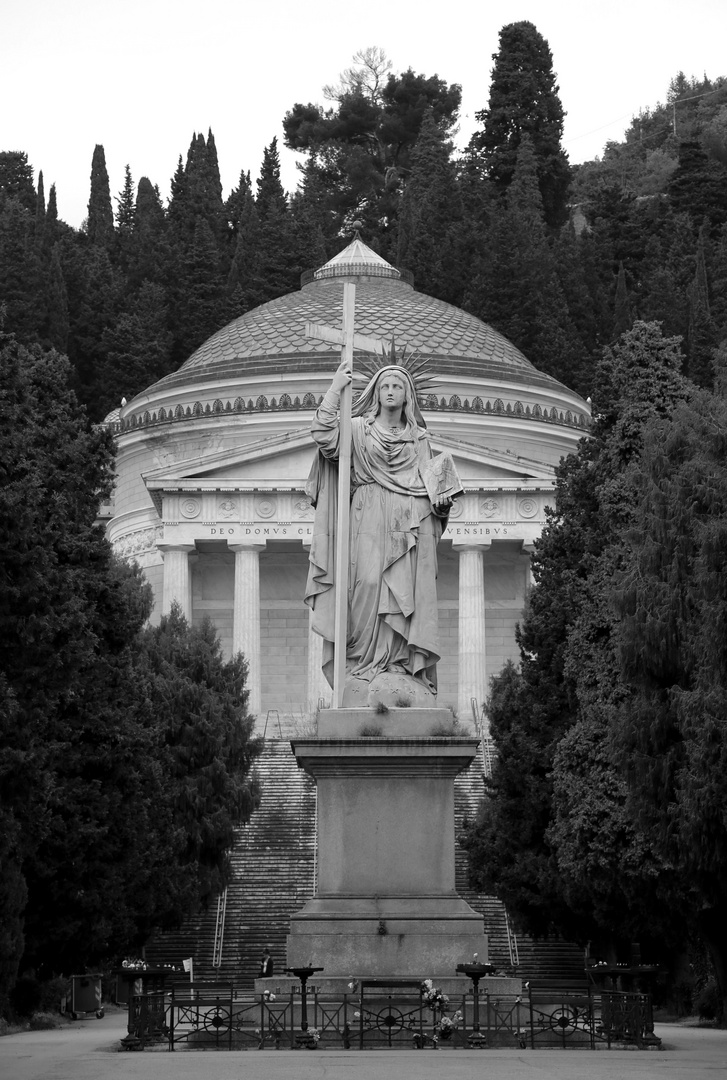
(204, 1016)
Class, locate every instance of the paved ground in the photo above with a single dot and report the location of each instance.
(87, 1050)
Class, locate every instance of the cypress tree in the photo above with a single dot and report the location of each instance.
(278, 268)
(16, 179)
(518, 290)
(702, 337)
(430, 211)
(136, 350)
(523, 102)
(622, 319)
(150, 252)
(57, 323)
(100, 224)
(21, 277)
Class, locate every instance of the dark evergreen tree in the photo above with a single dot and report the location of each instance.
(55, 331)
(197, 193)
(100, 222)
(243, 280)
(698, 186)
(672, 610)
(360, 150)
(702, 335)
(136, 350)
(537, 847)
(40, 212)
(524, 101)
(150, 254)
(430, 212)
(21, 271)
(517, 289)
(125, 205)
(124, 757)
(16, 179)
(95, 299)
(199, 263)
(277, 270)
(622, 317)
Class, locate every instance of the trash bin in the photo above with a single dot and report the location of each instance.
(86, 995)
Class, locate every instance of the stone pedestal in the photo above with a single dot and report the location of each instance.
(386, 904)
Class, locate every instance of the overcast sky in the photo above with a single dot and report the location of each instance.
(141, 76)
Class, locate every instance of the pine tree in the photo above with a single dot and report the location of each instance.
(524, 101)
(125, 220)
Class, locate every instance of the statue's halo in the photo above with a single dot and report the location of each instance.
(368, 364)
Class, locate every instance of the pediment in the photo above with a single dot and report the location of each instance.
(286, 460)
(278, 455)
(474, 462)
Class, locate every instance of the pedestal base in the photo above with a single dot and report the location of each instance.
(386, 905)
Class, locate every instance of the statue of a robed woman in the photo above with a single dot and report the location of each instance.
(394, 530)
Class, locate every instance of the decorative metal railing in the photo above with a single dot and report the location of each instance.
(203, 1016)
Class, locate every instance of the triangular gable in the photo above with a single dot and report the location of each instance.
(232, 461)
(289, 457)
(486, 461)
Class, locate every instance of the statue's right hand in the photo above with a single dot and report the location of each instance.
(342, 378)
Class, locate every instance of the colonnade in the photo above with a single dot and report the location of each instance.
(246, 618)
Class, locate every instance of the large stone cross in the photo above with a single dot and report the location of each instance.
(348, 340)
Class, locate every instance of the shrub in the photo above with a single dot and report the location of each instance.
(371, 731)
(25, 997)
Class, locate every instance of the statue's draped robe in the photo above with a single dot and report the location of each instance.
(392, 593)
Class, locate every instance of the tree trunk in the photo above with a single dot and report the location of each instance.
(713, 927)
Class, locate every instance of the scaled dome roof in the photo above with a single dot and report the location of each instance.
(271, 338)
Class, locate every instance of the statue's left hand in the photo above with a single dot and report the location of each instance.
(443, 506)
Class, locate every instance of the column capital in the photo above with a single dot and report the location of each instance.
(476, 544)
(243, 545)
(164, 546)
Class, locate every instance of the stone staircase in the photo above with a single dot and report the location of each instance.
(273, 870)
(273, 875)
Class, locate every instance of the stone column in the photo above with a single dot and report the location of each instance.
(246, 617)
(472, 646)
(529, 549)
(317, 688)
(177, 578)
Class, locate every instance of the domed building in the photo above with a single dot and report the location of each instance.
(213, 461)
